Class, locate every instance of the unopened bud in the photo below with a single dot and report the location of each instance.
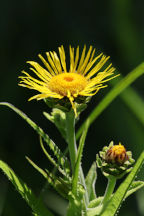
(116, 154)
(114, 160)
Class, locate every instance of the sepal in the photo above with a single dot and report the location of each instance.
(80, 104)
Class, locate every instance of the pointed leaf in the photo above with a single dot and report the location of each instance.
(94, 203)
(61, 158)
(78, 161)
(117, 89)
(57, 166)
(90, 182)
(35, 204)
(94, 211)
(56, 183)
(134, 102)
(41, 171)
(136, 185)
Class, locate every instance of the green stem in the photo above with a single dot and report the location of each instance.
(70, 130)
(109, 190)
(71, 139)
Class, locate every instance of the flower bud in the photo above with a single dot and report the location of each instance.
(116, 154)
(114, 160)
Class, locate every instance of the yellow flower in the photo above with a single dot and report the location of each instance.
(84, 77)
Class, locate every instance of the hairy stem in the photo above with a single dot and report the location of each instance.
(109, 190)
(70, 130)
(71, 139)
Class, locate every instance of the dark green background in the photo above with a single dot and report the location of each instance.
(115, 27)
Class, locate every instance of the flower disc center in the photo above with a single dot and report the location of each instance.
(67, 82)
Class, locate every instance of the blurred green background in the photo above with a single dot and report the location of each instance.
(30, 27)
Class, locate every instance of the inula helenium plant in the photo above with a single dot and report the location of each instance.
(67, 90)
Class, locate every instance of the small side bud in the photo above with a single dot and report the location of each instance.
(114, 160)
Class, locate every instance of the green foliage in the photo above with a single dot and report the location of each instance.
(94, 211)
(91, 181)
(136, 185)
(133, 101)
(78, 190)
(36, 205)
(117, 89)
(98, 207)
(78, 162)
(60, 185)
(64, 104)
(77, 205)
(78, 197)
(95, 202)
(117, 199)
(62, 160)
(64, 172)
(70, 132)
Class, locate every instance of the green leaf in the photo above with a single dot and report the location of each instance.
(94, 211)
(118, 197)
(90, 182)
(133, 101)
(61, 186)
(37, 206)
(94, 203)
(117, 89)
(62, 171)
(77, 203)
(41, 171)
(63, 161)
(136, 185)
(78, 161)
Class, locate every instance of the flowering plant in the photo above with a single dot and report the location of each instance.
(68, 92)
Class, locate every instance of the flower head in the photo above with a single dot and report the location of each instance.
(85, 76)
(114, 160)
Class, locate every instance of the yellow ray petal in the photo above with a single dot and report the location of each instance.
(49, 54)
(46, 64)
(85, 60)
(62, 58)
(82, 59)
(71, 50)
(76, 59)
